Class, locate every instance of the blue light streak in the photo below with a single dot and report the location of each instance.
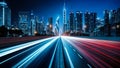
(26, 61)
(70, 61)
(18, 54)
(10, 50)
(50, 65)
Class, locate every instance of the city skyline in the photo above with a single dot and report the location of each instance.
(48, 8)
(68, 22)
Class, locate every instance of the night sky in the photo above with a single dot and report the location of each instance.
(54, 8)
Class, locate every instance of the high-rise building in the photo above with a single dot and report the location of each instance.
(72, 22)
(68, 26)
(78, 21)
(118, 16)
(92, 21)
(106, 17)
(40, 27)
(113, 15)
(32, 24)
(24, 22)
(99, 22)
(57, 28)
(50, 20)
(5, 15)
(64, 19)
(107, 23)
(87, 20)
(118, 23)
(50, 26)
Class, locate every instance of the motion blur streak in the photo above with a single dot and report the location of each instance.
(101, 53)
(50, 65)
(71, 64)
(26, 61)
(62, 52)
(70, 61)
(9, 50)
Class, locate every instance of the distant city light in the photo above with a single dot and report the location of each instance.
(113, 27)
(35, 32)
(85, 26)
(118, 26)
(50, 26)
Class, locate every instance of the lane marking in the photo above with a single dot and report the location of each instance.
(71, 64)
(74, 50)
(89, 65)
(80, 56)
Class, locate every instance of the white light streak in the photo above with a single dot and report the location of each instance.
(71, 64)
(10, 50)
(26, 61)
(50, 65)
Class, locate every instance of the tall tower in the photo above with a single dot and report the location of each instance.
(71, 21)
(78, 21)
(5, 14)
(24, 21)
(87, 22)
(64, 19)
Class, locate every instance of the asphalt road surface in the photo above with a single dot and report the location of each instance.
(62, 52)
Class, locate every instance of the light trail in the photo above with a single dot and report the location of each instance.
(70, 61)
(64, 51)
(53, 56)
(10, 50)
(101, 53)
(19, 54)
(26, 61)
(68, 56)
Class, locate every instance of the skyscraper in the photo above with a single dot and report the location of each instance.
(118, 22)
(87, 20)
(50, 20)
(64, 19)
(57, 28)
(24, 21)
(106, 17)
(107, 23)
(92, 21)
(118, 16)
(5, 15)
(113, 16)
(79, 21)
(32, 26)
(68, 25)
(72, 23)
(40, 27)
(50, 26)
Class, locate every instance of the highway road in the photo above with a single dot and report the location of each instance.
(62, 52)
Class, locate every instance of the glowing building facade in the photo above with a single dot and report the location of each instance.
(64, 19)
(24, 22)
